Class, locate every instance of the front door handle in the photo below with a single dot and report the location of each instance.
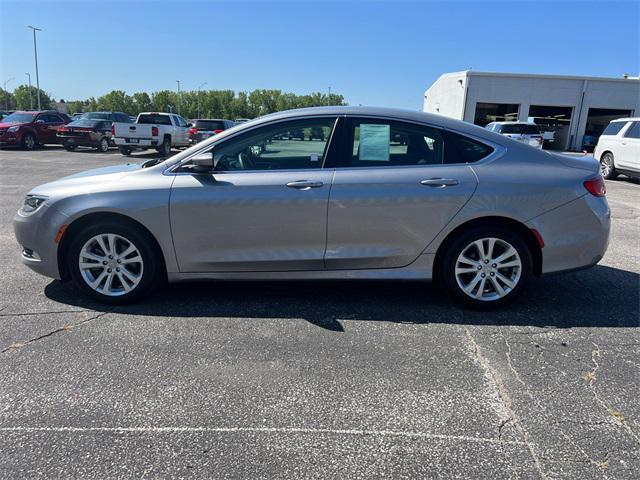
(304, 184)
(439, 182)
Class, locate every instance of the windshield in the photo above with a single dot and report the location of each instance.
(19, 118)
(97, 115)
(520, 128)
(84, 122)
(209, 124)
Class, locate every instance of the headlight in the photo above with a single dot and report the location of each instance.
(32, 203)
(13, 129)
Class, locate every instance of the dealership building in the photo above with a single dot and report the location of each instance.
(576, 108)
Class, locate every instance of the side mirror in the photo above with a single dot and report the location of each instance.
(39, 121)
(203, 163)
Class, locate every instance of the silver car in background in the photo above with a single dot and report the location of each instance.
(388, 194)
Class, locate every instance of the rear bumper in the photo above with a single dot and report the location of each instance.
(78, 141)
(141, 143)
(576, 235)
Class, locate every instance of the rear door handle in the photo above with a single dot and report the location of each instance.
(304, 184)
(439, 182)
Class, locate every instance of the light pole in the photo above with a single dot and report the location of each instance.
(6, 94)
(30, 97)
(329, 97)
(179, 102)
(35, 53)
(199, 87)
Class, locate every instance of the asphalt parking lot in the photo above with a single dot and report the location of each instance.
(318, 379)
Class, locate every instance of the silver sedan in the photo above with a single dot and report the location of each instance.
(325, 193)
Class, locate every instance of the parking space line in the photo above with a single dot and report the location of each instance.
(311, 431)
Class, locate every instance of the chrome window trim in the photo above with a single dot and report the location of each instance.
(498, 150)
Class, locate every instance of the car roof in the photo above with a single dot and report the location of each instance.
(514, 123)
(391, 113)
(629, 119)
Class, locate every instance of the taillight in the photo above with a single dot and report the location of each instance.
(193, 131)
(62, 129)
(113, 130)
(154, 131)
(217, 131)
(596, 187)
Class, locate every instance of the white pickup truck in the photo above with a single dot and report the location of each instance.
(161, 131)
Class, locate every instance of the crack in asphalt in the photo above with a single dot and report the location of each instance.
(65, 328)
(541, 407)
(591, 378)
(507, 402)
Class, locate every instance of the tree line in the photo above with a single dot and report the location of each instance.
(190, 104)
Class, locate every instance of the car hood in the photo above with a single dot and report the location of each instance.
(87, 181)
(11, 124)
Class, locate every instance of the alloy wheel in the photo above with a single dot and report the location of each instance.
(111, 264)
(29, 142)
(488, 269)
(606, 165)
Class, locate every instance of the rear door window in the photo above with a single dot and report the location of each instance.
(382, 143)
(633, 131)
(614, 128)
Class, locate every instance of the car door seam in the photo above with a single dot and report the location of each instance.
(173, 243)
(326, 219)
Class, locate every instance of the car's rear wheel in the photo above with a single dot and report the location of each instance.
(607, 166)
(29, 141)
(103, 146)
(487, 267)
(165, 148)
(69, 148)
(113, 263)
(126, 151)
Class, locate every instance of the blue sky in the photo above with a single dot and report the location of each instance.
(382, 53)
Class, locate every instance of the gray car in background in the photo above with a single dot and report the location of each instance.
(474, 211)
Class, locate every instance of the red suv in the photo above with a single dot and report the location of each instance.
(30, 129)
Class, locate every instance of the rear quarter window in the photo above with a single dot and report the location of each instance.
(614, 128)
(461, 149)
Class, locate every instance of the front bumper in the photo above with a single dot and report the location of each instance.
(576, 235)
(36, 236)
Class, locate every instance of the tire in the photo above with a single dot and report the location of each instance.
(607, 166)
(122, 280)
(126, 151)
(69, 148)
(29, 141)
(165, 148)
(103, 146)
(501, 285)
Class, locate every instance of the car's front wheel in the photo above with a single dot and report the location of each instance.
(607, 167)
(487, 267)
(113, 263)
(29, 142)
